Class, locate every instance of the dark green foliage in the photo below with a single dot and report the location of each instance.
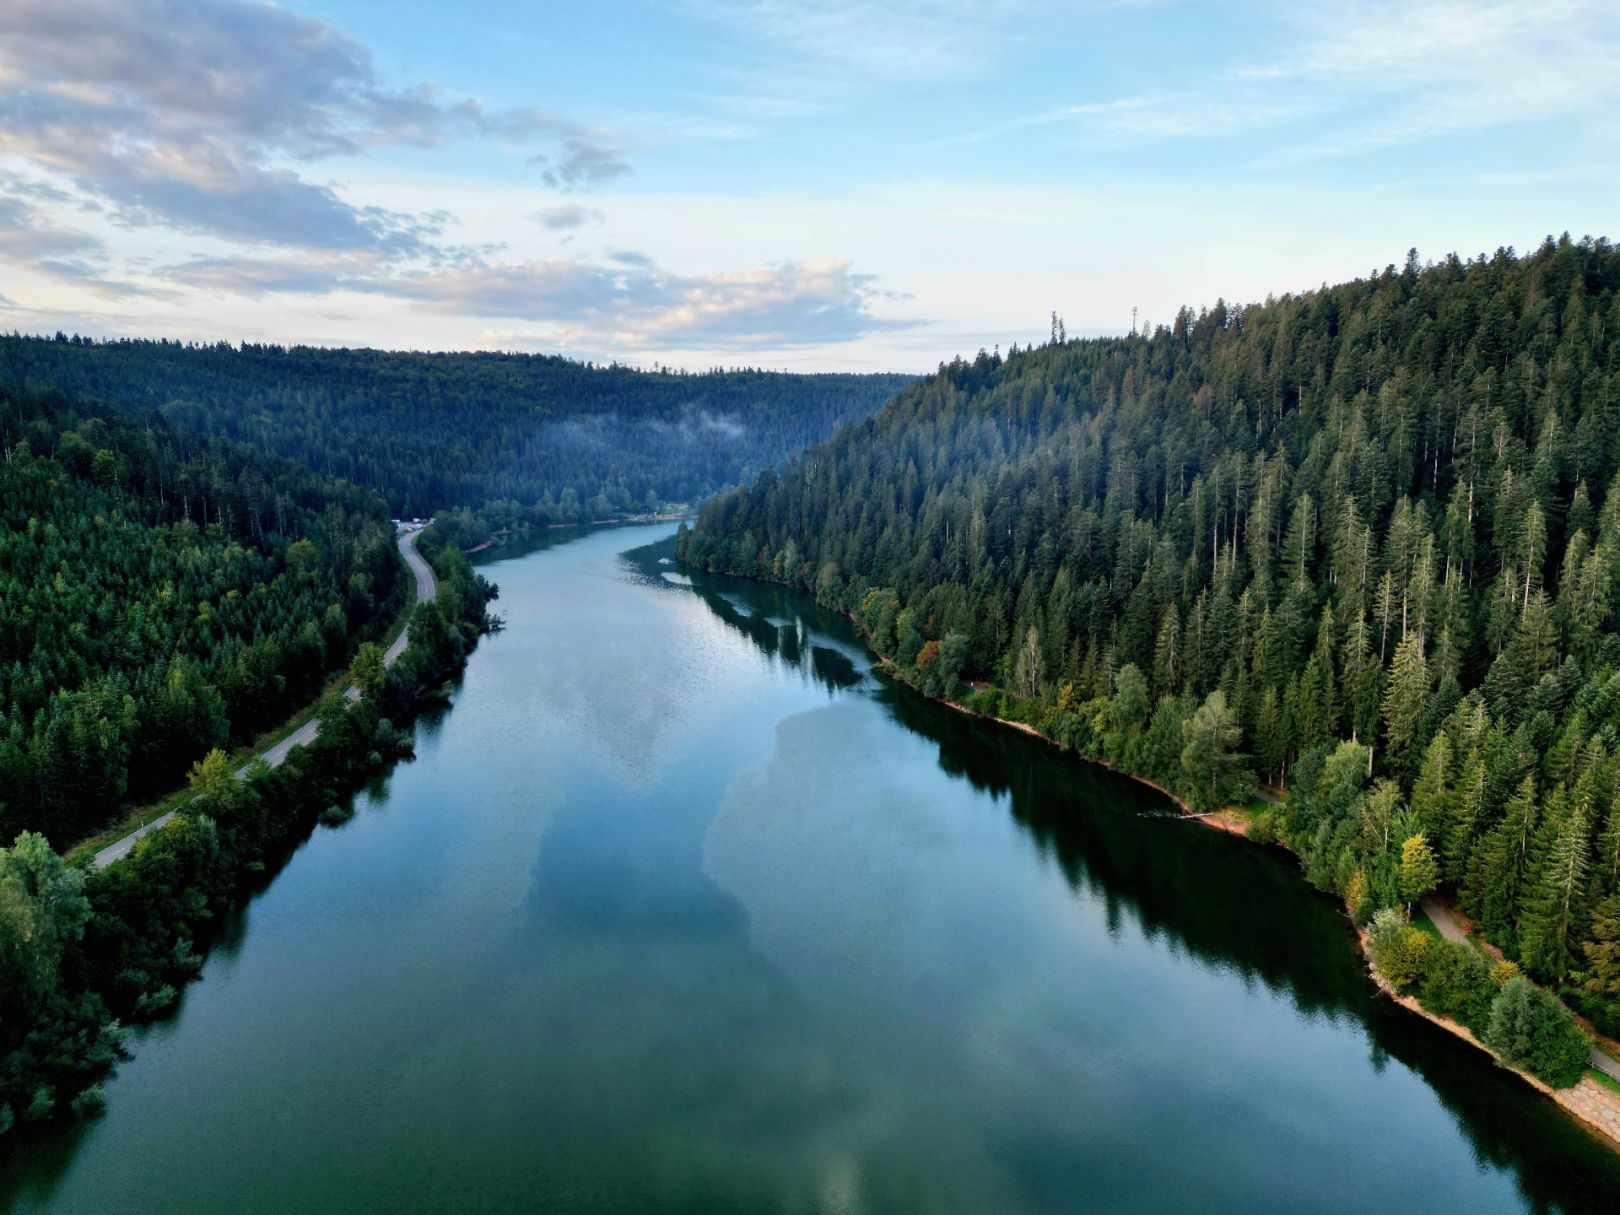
(1530, 1029)
(160, 595)
(540, 438)
(1380, 521)
(1456, 983)
(81, 951)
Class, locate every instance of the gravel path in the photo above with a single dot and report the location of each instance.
(1449, 928)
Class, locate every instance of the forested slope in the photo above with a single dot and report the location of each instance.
(431, 431)
(1365, 540)
(160, 595)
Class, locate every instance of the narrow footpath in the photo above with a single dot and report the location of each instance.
(427, 589)
(1452, 930)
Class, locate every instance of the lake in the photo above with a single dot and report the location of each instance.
(683, 907)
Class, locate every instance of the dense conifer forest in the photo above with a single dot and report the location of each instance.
(1362, 542)
(161, 595)
(84, 951)
(551, 439)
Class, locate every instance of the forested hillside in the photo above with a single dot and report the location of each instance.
(161, 595)
(1364, 541)
(431, 431)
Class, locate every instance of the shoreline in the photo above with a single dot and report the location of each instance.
(1589, 1102)
(1586, 1100)
(499, 539)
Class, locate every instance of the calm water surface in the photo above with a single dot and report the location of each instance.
(680, 908)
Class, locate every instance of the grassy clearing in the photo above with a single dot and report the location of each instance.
(1422, 922)
(1603, 1078)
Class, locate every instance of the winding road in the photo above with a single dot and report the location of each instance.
(427, 588)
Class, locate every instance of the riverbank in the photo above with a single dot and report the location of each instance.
(1589, 1100)
(1593, 1103)
(149, 918)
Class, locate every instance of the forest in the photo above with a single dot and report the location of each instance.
(86, 952)
(161, 594)
(549, 439)
(194, 540)
(163, 597)
(1361, 543)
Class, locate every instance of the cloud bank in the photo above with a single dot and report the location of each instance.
(626, 303)
(201, 115)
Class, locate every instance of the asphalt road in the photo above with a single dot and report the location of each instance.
(427, 588)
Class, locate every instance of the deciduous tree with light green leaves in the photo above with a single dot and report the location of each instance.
(366, 669)
(1214, 767)
(1419, 870)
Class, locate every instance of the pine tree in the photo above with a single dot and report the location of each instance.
(1602, 951)
(1167, 653)
(1363, 682)
(1546, 934)
(1511, 1032)
(1459, 839)
(1432, 797)
(1405, 699)
(1317, 708)
(1499, 864)
(1270, 737)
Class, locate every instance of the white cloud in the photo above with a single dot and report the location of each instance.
(1418, 68)
(1362, 76)
(193, 114)
(568, 216)
(31, 241)
(627, 302)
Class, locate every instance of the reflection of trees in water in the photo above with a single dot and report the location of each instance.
(1228, 904)
(781, 623)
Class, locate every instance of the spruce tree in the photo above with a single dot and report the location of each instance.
(1602, 950)
(1405, 698)
(1546, 934)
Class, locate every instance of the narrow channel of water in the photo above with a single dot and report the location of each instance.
(680, 908)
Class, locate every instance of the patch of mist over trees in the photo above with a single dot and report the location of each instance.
(548, 438)
(1363, 542)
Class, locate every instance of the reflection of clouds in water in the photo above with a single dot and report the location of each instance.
(855, 888)
(638, 993)
(623, 694)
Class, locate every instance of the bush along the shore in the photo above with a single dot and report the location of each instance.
(1524, 1025)
(86, 952)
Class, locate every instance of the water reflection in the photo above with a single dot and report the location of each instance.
(1228, 904)
(683, 908)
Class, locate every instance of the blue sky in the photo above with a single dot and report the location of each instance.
(808, 184)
